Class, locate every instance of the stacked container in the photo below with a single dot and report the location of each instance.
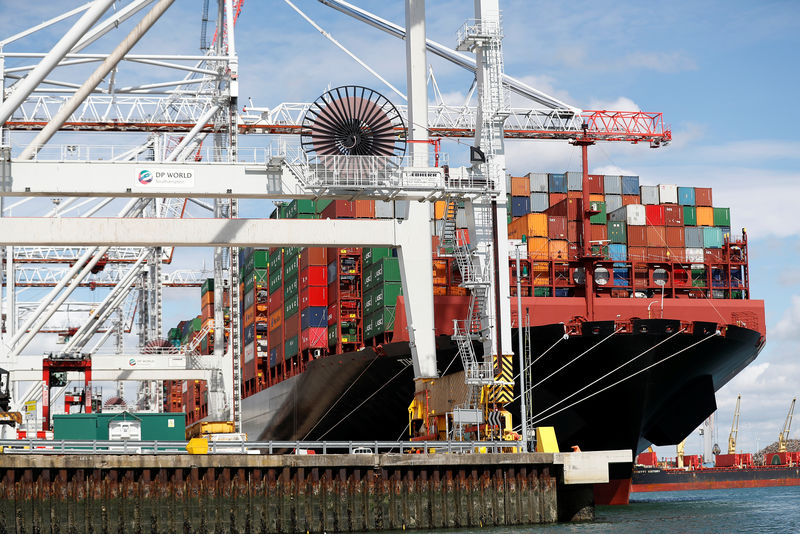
(382, 286)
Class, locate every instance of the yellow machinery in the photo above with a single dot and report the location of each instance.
(734, 428)
(679, 459)
(204, 428)
(787, 425)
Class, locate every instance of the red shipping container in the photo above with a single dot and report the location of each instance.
(339, 209)
(208, 311)
(557, 227)
(637, 253)
(365, 209)
(313, 296)
(573, 251)
(333, 314)
(594, 184)
(555, 198)
(575, 194)
(313, 256)
(655, 236)
(599, 232)
(714, 255)
(291, 325)
(637, 236)
(314, 338)
(569, 208)
(675, 236)
(655, 254)
(558, 210)
(631, 199)
(276, 300)
(654, 214)
(333, 293)
(315, 275)
(572, 231)
(676, 254)
(673, 215)
(702, 196)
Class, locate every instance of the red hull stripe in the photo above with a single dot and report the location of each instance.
(716, 484)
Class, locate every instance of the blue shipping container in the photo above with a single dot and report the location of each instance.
(630, 185)
(249, 334)
(520, 206)
(557, 182)
(273, 357)
(686, 196)
(313, 316)
(712, 237)
(562, 291)
(622, 277)
(618, 252)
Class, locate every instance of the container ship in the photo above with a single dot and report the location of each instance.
(729, 471)
(632, 360)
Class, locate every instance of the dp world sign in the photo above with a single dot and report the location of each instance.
(158, 177)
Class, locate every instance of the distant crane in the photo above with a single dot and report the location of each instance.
(679, 454)
(735, 427)
(784, 437)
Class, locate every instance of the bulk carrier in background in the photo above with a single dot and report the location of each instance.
(633, 361)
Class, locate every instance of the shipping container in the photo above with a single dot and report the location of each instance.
(386, 270)
(654, 214)
(313, 256)
(556, 227)
(655, 236)
(613, 202)
(339, 209)
(599, 232)
(694, 237)
(631, 215)
(631, 199)
(538, 248)
(617, 232)
(555, 198)
(612, 184)
(313, 317)
(539, 202)
(689, 216)
(315, 275)
(530, 225)
(520, 206)
(617, 252)
(365, 209)
(649, 194)
(290, 306)
(386, 294)
(291, 287)
(290, 347)
(637, 236)
(668, 194)
(673, 215)
(538, 182)
(630, 185)
(675, 237)
(314, 338)
(722, 216)
(557, 183)
(574, 181)
(712, 237)
(637, 253)
(558, 249)
(705, 216)
(600, 216)
(703, 197)
(686, 196)
(594, 184)
(384, 209)
(520, 186)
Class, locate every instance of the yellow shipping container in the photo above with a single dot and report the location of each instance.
(558, 249)
(530, 225)
(438, 209)
(705, 216)
(538, 248)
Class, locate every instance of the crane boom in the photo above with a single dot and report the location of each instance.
(734, 428)
(787, 425)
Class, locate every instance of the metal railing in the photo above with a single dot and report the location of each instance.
(120, 447)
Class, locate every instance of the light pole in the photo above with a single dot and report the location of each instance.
(523, 410)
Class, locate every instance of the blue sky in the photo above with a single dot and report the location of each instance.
(724, 74)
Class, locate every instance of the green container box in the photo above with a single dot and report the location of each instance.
(290, 348)
(275, 256)
(283, 211)
(386, 270)
(174, 333)
(290, 252)
(261, 277)
(298, 206)
(617, 233)
(541, 292)
(323, 203)
(712, 237)
(307, 216)
(332, 333)
(94, 426)
(275, 279)
(290, 306)
(699, 278)
(290, 287)
(385, 295)
(208, 285)
(371, 255)
(368, 278)
(249, 281)
(689, 216)
(599, 218)
(369, 301)
(369, 327)
(600, 250)
(383, 320)
(722, 216)
(260, 259)
(290, 267)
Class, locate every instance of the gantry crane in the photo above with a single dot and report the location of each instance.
(734, 428)
(787, 425)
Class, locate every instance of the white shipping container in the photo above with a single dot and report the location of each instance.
(461, 218)
(612, 184)
(613, 202)
(668, 194)
(575, 181)
(694, 255)
(401, 209)
(538, 182)
(384, 209)
(649, 194)
(539, 202)
(632, 215)
(249, 352)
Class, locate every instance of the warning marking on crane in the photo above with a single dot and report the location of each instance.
(176, 177)
(494, 419)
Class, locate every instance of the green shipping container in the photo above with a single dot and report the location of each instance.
(369, 327)
(174, 333)
(298, 206)
(283, 211)
(689, 216)
(306, 216)
(249, 281)
(541, 291)
(290, 267)
(386, 270)
(94, 426)
(599, 218)
(332, 333)
(597, 250)
(383, 320)
(369, 301)
(616, 232)
(722, 216)
(275, 256)
(260, 259)
(290, 348)
(208, 285)
(290, 252)
(290, 306)
(290, 287)
(275, 280)
(385, 295)
(368, 278)
(371, 255)
(323, 203)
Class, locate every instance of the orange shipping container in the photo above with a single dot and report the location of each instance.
(541, 274)
(558, 249)
(599, 232)
(637, 254)
(275, 319)
(705, 216)
(206, 299)
(365, 209)
(520, 186)
(438, 209)
(676, 254)
(555, 198)
(529, 225)
(597, 198)
(538, 248)
(630, 199)
(656, 253)
(655, 236)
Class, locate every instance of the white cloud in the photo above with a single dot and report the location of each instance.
(789, 325)
(668, 62)
(620, 104)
